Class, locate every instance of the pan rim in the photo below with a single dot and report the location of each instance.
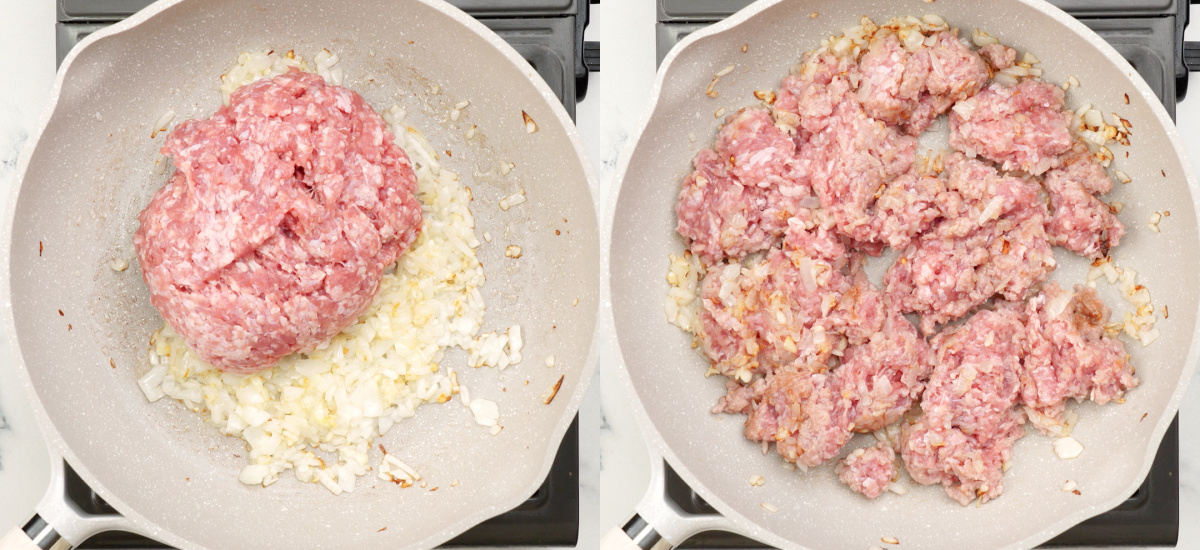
(57, 446)
(653, 435)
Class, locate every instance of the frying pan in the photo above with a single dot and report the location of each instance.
(814, 510)
(74, 210)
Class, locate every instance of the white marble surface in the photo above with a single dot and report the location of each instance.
(614, 460)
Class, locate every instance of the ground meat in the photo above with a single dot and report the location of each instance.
(968, 467)
(999, 56)
(907, 207)
(760, 154)
(795, 307)
(1081, 222)
(850, 161)
(991, 241)
(741, 195)
(1067, 355)
(740, 398)
(801, 413)
(273, 233)
(892, 80)
(1023, 127)
(969, 420)
(807, 99)
(977, 377)
(813, 352)
(911, 89)
(858, 313)
(885, 376)
(869, 471)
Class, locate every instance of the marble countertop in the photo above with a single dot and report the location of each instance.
(614, 463)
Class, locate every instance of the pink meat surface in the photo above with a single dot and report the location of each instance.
(907, 207)
(1067, 354)
(794, 307)
(999, 56)
(807, 99)
(800, 412)
(869, 471)
(813, 352)
(991, 241)
(910, 90)
(1023, 127)
(884, 377)
(969, 421)
(273, 233)
(1081, 222)
(742, 193)
(968, 467)
(851, 160)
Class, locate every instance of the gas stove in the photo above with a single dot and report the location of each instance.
(1149, 34)
(548, 34)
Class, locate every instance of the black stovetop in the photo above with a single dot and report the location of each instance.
(1149, 34)
(548, 34)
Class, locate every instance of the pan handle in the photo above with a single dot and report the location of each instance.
(18, 539)
(659, 524)
(637, 534)
(37, 534)
(59, 524)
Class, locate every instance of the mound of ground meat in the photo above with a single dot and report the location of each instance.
(850, 160)
(991, 240)
(808, 98)
(1022, 127)
(743, 191)
(813, 352)
(1067, 356)
(1081, 222)
(796, 306)
(883, 377)
(802, 414)
(273, 233)
(910, 90)
(969, 423)
(870, 470)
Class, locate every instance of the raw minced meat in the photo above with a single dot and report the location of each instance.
(910, 89)
(812, 351)
(1068, 356)
(742, 193)
(850, 160)
(273, 233)
(760, 154)
(969, 423)
(907, 207)
(885, 376)
(968, 467)
(869, 471)
(999, 56)
(802, 414)
(977, 378)
(795, 306)
(1022, 127)
(808, 98)
(991, 241)
(1081, 222)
